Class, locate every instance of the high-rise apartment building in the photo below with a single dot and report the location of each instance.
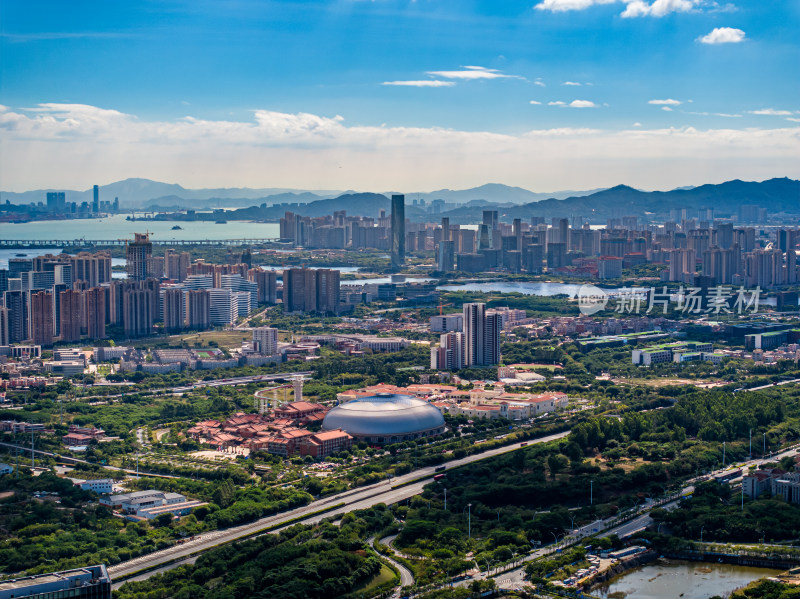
(70, 303)
(140, 308)
(481, 336)
(42, 318)
(96, 312)
(138, 254)
(398, 255)
(94, 269)
(265, 340)
(174, 309)
(450, 353)
(266, 283)
(311, 290)
(556, 255)
(18, 304)
(238, 283)
(223, 307)
(96, 199)
(176, 265)
(198, 309)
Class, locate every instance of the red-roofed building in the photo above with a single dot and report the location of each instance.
(297, 410)
(321, 445)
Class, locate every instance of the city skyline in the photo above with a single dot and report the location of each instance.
(556, 94)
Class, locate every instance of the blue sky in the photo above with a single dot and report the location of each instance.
(547, 94)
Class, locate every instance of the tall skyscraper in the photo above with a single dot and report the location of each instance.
(4, 326)
(138, 254)
(96, 312)
(56, 201)
(481, 336)
(96, 199)
(70, 303)
(42, 318)
(398, 255)
(446, 256)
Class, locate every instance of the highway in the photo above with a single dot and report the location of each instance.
(770, 386)
(387, 492)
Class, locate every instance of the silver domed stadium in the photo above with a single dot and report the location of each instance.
(386, 418)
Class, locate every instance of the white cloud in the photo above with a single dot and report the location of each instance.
(307, 150)
(667, 102)
(535, 102)
(659, 8)
(540, 83)
(721, 114)
(565, 5)
(666, 108)
(793, 119)
(637, 124)
(582, 104)
(422, 83)
(770, 112)
(575, 83)
(471, 72)
(723, 35)
(556, 103)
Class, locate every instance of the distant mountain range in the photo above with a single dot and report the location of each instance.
(147, 194)
(775, 195)
(140, 193)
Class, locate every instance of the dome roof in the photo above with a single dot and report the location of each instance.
(384, 414)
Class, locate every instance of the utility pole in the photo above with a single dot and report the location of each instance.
(469, 525)
(591, 491)
(765, 446)
(33, 462)
(723, 454)
(751, 444)
(445, 500)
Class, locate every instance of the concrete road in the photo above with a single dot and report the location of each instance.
(406, 576)
(386, 492)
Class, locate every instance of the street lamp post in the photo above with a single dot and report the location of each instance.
(469, 522)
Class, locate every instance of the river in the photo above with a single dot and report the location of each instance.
(116, 227)
(526, 288)
(675, 579)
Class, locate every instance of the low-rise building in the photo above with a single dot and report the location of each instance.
(101, 486)
(321, 445)
(91, 582)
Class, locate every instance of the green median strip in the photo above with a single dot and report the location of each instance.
(244, 537)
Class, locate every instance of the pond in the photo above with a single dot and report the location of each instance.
(676, 579)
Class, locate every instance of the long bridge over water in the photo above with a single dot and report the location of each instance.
(83, 243)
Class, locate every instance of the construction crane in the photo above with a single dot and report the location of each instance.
(441, 305)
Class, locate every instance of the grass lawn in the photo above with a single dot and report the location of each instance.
(385, 575)
(226, 339)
